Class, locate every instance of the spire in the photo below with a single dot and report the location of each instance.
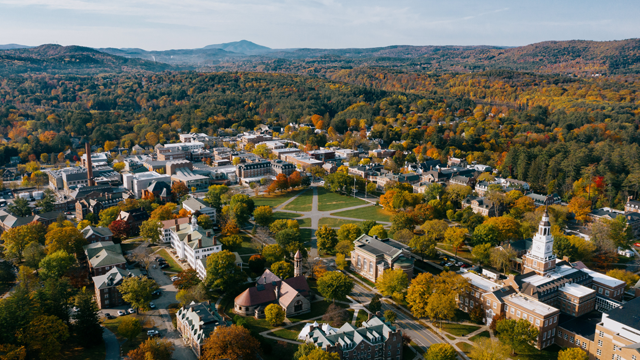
(297, 264)
(298, 255)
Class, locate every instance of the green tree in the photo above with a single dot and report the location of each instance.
(344, 247)
(392, 281)
(627, 276)
(47, 203)
(390, 316)
(441, 351)
(402, 221)
(187, 279)
(282, 269)
(334, 285)
(486, 234)
(378, 231)
(327, 238)
(69, 239)
(17, 239)
(205, 222)
(375, 304)
(241, 207)
(87, 322)
(289, 241)
(109, 215)
(151, 230)
(232, 241)
(424, 245)
(501, 258)
(263, 215)
(45, 336)
(274, 314)
(367, 225)
(273, 253)
(562, 247)
(441, 307)
(573, 354)
(137, 291)
(455, 237)
(34, 253)
(517, 334)
(349, 232)
(6, 273)
(129, 328)
(55, 265)
(20, 207)
(216, 196)
(482, 253)
(222, 272)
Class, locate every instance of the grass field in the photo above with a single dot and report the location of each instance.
(482, 335)
(290, 333)
(367, 213)
(305, 235)
(531, 353)
(318, 308)
(246, 248)
(362, 316)
(459, 329)
(284, 215)
(275, 199)
(306, 222)
(333, 222)
(173, 266)
(329, 201)
(302, 202)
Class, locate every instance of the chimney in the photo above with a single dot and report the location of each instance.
(200, 243)
(177, 226)
(189, 237)
(208, 233)
(87, 150)
(369, 317)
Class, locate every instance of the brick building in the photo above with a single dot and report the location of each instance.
(371, 256)
(195, 322)
(95, 234)
(104, 256)
(106, 286)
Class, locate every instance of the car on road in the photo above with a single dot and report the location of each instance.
(131, 311)
(109, 316)
(121, 313)
(156, 293)
(152, 333)
(164, 266)
(152, 305)
(450, 264)
(464, 266)
(174, 278)
(459, 263)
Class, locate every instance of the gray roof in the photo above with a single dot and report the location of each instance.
(113, 277)
(376, 246)
(627, 314)
(98, 230)
(347, 337)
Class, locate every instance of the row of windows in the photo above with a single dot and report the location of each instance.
(531, 318)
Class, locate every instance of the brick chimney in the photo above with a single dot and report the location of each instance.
(87, 150)
(208, 233)
(200, 243)
(177, 226)
(188, 237)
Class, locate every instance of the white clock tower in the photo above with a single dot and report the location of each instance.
(540, 257)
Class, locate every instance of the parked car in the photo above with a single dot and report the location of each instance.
(459, 263)
(131, 311)
(156, 293)
(109, 316)
(159, 258)
(449, 264)
(152, 333)
(121, 313)
(152, 305)
(464, 266)
(174, 278)
(164, 266)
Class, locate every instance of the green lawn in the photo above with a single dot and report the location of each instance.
(112, 324)
(361, 278)
(302, 202)
(173, 266)
(459, 329)
(305, 235)
(328, 201)
(284, 215)
(275, 199)
(318, 308)
(482, 335)
(306, 222)
(336, 223)
(466, 348)
(362, 316)
(246, 248)
(531, 353)
(367, 213)
(290, 333)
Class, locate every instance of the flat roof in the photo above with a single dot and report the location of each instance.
(603, 279)
(480, 282)
(584, 325)
(538, 280)
(531, 305)
(576, 290)
(149, 175)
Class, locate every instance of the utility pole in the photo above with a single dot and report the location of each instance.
(354, 186)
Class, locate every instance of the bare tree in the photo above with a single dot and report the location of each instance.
(335, 315)
(601, 236)
(501, 258)
(142, 254)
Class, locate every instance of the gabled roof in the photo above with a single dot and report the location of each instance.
(373, 331)
(113, 277)
(97, 230)
(104, 253)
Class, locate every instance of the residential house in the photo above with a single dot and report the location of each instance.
(134, 218)
(104, 256)
(194, 205)
(95, 234)
(482, 206)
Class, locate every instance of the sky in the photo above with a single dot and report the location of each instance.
(183, 24)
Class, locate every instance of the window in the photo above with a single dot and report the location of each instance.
(512, 311)
(531, 320)
(518, 313)
(599, 352)
(555, 319)
(599, 290)
(553, 332)
(544, 336)
(565, 336)
(471, 303)
(488, 302)
(599, 342)
(606, 293)
(495, 305)
(506, 307)
(545, 322)
(601, 333)
(584, 344)
(571, 340)
(537, 322)
(577, 342)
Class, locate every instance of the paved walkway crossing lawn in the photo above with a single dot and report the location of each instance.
(328, 201)
(336, 223)
(274, 199)
(367, 213)
(301, 203)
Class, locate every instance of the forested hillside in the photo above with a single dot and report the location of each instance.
(561, 134)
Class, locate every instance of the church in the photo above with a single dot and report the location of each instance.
(293, 294)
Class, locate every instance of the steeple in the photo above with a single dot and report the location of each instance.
(297, 264)
(540, 257)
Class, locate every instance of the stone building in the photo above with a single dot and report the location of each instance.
(371, 256)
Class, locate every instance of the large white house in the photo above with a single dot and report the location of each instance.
(192, 205)
(191, 243)
(138, 182)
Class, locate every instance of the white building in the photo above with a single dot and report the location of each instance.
(192, 145)
(138, 182)
(192, 205)
(192, 243)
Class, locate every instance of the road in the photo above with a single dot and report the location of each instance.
(160, 316)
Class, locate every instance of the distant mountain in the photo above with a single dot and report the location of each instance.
(184, 57)
(13, 46)
(70, 59)
(242, 47)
